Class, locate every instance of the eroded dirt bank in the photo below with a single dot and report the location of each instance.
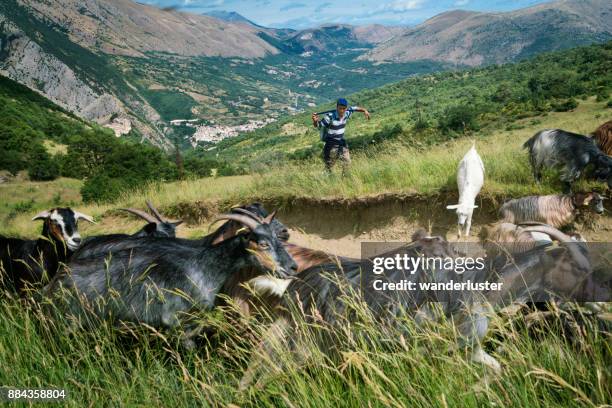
(339, 226)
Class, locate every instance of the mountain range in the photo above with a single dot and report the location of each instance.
(135, 68)
(474, 38)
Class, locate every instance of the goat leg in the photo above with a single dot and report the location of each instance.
(269, 348)
(474, 325)
(468, 225)
(482, 357)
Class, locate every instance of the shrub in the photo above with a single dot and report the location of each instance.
(420, 125)
(565, 106)
(11, 160)
(42, 166)
(102, 188)
(458, 118)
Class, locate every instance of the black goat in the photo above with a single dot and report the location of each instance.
(29, 262)
(233, 287)
(570, 152)
(157, 226)
(329, 294)
(156, 280)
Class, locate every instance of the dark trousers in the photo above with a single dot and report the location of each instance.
(332, 152)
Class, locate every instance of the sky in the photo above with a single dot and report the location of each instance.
(301, 14)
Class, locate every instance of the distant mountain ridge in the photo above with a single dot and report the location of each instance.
(127, 28)
(232, 17)
(475, 38)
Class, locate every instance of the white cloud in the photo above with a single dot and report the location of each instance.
(405, 5)
(460, 3)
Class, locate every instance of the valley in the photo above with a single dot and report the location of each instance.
(139, 74)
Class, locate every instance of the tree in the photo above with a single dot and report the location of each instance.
(459, 118)
(102, 188)
(42, 166)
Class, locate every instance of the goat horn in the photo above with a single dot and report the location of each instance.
(574, 249)
(248, 213)
(547, 229)
(41, 215)
(81, 216)
(270, 217)
(243, 219)
(147, 217)
(531, 223)
(155, 212)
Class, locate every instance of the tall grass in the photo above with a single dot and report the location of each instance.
(371, 364)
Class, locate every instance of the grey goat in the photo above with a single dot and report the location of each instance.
(158, 226)
(157, 280)
(570, 152)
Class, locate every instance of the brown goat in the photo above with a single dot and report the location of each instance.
(554, 210)
(603, 137)
(271, 289)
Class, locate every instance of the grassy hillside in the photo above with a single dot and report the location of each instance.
(28, 120)
(397, 168)
(429, 109)
(40, 137)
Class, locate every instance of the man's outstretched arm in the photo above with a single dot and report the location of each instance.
(315, 120)
(360, 109)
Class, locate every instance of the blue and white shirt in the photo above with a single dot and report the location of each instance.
(335, 125)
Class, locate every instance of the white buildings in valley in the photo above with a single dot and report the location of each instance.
(216, 133)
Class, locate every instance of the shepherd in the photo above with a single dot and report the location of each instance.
(332, 133)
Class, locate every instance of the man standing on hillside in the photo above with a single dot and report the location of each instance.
(334, 123)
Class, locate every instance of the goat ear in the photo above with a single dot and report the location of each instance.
(81, 216)
(474, 206)
(150, 228)
(43, 215)
(270, 217)
(452, 207)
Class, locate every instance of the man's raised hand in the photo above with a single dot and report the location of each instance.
(315, 120)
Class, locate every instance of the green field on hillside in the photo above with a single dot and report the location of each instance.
(397, 169)
(428, 109)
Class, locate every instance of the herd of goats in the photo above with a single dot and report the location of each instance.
(155, 278)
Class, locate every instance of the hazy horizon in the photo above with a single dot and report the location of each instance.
(300, 15)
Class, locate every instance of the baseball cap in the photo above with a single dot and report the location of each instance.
(342, 102)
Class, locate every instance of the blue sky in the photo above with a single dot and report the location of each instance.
(310, 13)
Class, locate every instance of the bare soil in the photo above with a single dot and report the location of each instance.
(339, 226)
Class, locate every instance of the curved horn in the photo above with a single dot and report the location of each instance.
(531, 223)
(547, 229)
(582, 260)
(42, 215)
(81, 216)
(155, 212)
(147, 217)
(248, 213)
(243, 219)
(270, 217)
(574, 249)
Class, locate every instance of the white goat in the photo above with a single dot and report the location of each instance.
(470, 178)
